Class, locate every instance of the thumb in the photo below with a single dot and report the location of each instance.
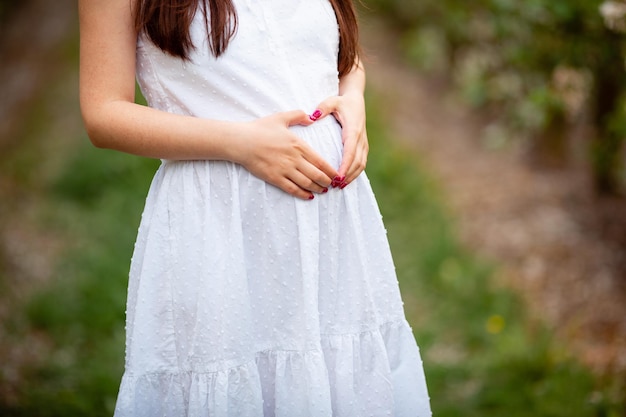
(325, 108)
(349, 153)
(295, 117)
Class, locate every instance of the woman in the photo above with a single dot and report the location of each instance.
(261, 283)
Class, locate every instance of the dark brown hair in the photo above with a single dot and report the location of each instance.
(167, 23)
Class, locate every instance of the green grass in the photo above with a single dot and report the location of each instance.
(483, 355)
(96, 203)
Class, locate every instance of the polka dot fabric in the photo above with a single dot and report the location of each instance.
(244, 301)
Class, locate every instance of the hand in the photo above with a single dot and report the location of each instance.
(349, 110)
(271, 152)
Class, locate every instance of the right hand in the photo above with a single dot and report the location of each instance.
(276, 155)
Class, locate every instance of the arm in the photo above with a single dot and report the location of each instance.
(349, 110)
(265, 146)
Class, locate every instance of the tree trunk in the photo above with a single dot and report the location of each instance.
(608, 88)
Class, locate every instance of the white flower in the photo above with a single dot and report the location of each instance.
(614, 14)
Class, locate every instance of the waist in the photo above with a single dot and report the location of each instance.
(324, 136)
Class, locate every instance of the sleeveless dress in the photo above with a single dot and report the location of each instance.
(243, 300)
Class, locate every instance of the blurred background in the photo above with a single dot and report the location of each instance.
(497, 154)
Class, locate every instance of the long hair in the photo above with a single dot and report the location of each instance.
(167, 23)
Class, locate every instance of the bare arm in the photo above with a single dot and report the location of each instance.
(265, 146)
(349, 109)
(354, 81)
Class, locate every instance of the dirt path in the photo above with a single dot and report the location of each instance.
(36, 76)
(543, 228)
(29, 52)
(34, 65)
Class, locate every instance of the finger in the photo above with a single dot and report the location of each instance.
(358, 166)
(295, 117)
(355, 164)
(306, 183)
(326, 107)
(293, 189)
(320, 170)
(317, 176)
(349, 152)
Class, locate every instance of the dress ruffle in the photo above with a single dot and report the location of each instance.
(244, 301)
(352, 375)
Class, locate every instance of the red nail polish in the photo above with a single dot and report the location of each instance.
(338, 182)
(325, 190)
(311, 197)
(343, 185)
(316, 115)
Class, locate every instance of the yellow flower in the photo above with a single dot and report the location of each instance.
(495, 324)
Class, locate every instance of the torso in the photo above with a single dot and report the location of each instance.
(283, 57)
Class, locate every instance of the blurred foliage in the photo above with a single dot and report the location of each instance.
(483, 355)
(540, 66)
(81, 314)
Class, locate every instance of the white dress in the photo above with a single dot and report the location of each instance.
(244, 301)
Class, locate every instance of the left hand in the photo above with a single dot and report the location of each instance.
(349, 110)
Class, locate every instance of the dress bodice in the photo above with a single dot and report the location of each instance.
(282, 57)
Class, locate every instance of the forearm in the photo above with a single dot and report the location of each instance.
(266, 147)
(108, 43)
(140, 130)
(354, 81)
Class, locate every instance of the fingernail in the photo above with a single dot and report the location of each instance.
(337, 181)
(316, 115)
(343, 185)
(325, 190)
(311, 197)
